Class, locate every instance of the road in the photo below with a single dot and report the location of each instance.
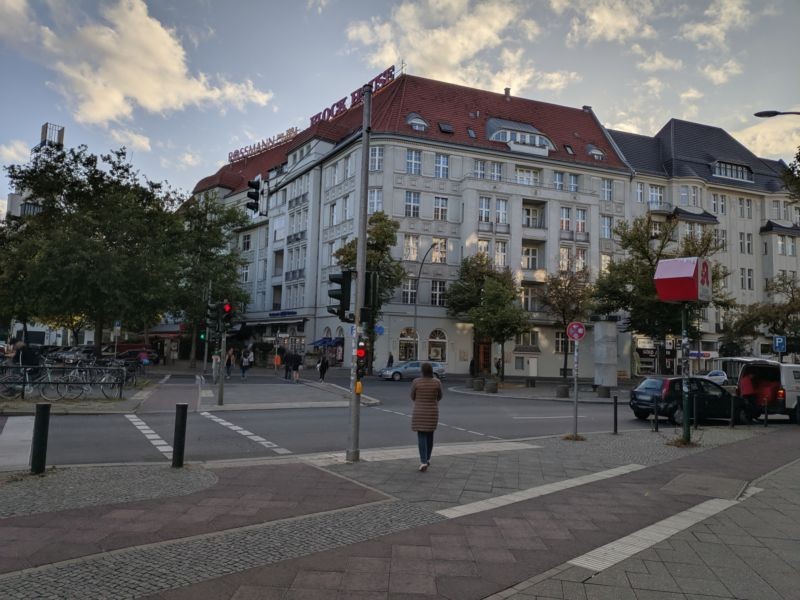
(83, 439)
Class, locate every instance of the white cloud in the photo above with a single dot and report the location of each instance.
(659, 62)
(654, 86)
(187, 159)
(128, 60)
(778, 137)
(317, 5)
(690, 95)
(607, 20)
(556, 80)
(134, 140)
(721, 17)
(722, 73)
(16, 151)
(530, 29)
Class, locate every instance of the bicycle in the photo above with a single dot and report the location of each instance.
(15, 384)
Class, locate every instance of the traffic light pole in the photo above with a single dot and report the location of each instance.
(223, 352)
(352, 454)
(205, 349)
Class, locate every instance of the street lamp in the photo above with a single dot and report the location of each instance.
(774, 113)
(416, 300)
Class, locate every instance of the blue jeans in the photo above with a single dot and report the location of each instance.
(425, 441)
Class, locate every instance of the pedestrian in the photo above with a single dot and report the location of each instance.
(230, 359)
(390, 362)
(297, 364)
(426, 391)
(247, 360)
(472, 367)
(288, 359)
(498, 365)
(323, 367)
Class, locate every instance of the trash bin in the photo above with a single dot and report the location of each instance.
(530, 382)
(478, 383)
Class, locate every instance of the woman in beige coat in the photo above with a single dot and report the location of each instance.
(426, 391)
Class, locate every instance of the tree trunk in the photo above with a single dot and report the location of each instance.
(193, 351)
(146, 336)
(566, 354)
(98, 334)
(502, 362)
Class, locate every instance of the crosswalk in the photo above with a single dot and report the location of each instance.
(15, 443)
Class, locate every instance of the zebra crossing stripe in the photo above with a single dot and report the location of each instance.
(248, 434)
(155, 439)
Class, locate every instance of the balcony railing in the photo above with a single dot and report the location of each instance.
(659, 206)
(566, 234)
(581, 236)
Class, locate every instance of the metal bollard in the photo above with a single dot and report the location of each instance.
(615, 414)
(655, 415)
(179, 439)
(41, 425)
(766, 412)
(733, 411)
(694, 411)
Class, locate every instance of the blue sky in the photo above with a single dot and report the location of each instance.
(183, 82)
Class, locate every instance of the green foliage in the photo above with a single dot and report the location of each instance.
(791, 177)
(628, 285)
(465, 293)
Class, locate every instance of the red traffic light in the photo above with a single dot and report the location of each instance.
(361, 353)
(227, 308)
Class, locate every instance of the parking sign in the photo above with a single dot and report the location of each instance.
(779, 344)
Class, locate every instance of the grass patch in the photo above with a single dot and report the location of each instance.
(679, 442)
(574, 438)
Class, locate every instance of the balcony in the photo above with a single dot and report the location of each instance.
(485, 226)
(296, 237)
(566, 234)
(502, 228)
(582, 236)
(660, 207)
(534, 275)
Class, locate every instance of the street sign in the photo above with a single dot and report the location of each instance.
(576, 330)
(379, 329)
(779, 344)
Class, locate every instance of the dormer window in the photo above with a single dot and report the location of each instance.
(595, 152)
(417, 123)
(523, 137)
(733, 171)
(569, 149)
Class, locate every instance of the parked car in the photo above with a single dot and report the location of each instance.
(717, 376)
(771, 384)
(77, 354)
(713, 401)
(410, 370)
(152, 355)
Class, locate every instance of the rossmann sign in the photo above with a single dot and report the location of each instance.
(340, 106)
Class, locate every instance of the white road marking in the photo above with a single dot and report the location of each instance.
(248, 434)
(155, 439)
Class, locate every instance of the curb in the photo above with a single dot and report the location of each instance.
(468, 392)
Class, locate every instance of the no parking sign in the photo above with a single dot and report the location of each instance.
(576, 330)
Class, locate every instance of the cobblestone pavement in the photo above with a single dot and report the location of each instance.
(68, 488)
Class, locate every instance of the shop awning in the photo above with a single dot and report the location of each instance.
(324, 342)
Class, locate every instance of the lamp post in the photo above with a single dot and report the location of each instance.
(774, 113)
(416, 301)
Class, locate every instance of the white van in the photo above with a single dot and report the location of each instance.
(772, 384)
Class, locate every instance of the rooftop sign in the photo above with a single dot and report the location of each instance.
(263, 145)
(340, 106)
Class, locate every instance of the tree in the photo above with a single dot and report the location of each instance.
(566, 295)
(101, 245)
(499, 315)
(489, 299)
(628, 284)
(381, 238)
(208, 256)
(791, 177)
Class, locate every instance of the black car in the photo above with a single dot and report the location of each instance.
(713, 402)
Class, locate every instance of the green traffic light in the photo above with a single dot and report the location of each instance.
(202, 336)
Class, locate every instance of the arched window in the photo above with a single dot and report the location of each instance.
(408, 344)
(417, 122)
(437, 346)
(326, 333)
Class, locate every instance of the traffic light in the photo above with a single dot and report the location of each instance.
(370, 296)
(361, 358)
(212, 316)
(341, 308)
(254, 195)
(202, 335)
(226, 312)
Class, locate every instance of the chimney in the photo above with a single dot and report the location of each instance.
(508, 94)
(587, 108)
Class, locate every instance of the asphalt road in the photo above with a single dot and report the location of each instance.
(82, 439)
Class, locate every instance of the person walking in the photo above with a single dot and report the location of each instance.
(246, 362)
(230, 359)
(288, 358)
(323, 367)
(297, 363)
(390, 362)
(426, 391)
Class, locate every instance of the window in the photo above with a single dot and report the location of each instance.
(479, 168)
(606, 227)
(721, 239)
(564, 221)
(791, 246)
(640, 193)
(723, 204)
(500, 254)
(348, 167)
(376, 158)
(333, 214)
(417, 123)
(245, 273)
(484, 210)
(569, 149)
(439, 253)
(495, 171)
(528, 299)
(796, 219)
(714, 202)
(374, 201)
(558, 180)
(607, 189)
(347, 208)
(655, 229)
(440, 208)
(564, 258)
(684, 195)
(527, 176)
(749, 243)
(696, 197)
(437, 345)
(580, 259)
(733, 171)
(746, 279)
(656, 195)
(245, 242)
(438, 288)
(410, 247)
(605, 262)
(782, 245)
(748, 203)
(530, 258)
(414, 162)
(441, 166)
(776, 209)
(501, 211)
(483, 247)
(412, 204)
(573, 182)
(741, 242)
(409, 291)
(531, 217)
(527, 338)
(580, 220)
(561, 343)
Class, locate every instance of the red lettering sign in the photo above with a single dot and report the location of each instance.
(356, 96)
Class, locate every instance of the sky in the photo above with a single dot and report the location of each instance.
(180, 83)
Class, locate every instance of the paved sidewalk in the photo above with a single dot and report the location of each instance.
(284, 528)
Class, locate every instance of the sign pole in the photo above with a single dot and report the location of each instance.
(575, 409)
(687, 433)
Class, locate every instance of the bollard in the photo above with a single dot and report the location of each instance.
(766, 412)
(655, 418)
(41, 425)
(694, 411)
(733, 411)
(615, 414)
(179, 439)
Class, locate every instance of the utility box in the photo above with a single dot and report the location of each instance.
(683, 280)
